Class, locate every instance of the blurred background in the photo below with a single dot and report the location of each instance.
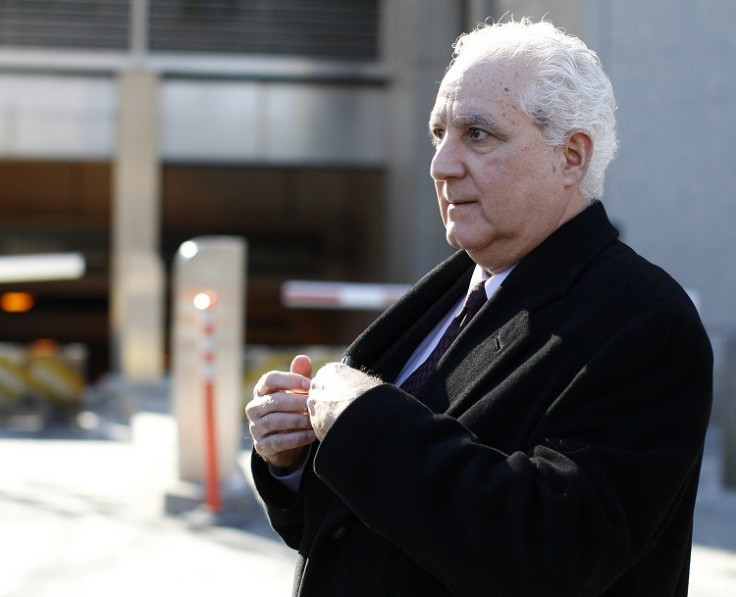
(129, 127)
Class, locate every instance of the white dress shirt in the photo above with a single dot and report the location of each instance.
(425, 348)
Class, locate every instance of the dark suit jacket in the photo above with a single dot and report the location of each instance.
(555, 451)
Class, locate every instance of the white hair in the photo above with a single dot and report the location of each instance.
(567, 89)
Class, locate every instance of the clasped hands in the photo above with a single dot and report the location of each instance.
(291, 409)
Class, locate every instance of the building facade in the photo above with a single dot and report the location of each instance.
(129, 126)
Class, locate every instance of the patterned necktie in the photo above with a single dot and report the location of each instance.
(475, 299)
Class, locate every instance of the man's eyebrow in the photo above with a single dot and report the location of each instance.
(475, 119)
(469, 119)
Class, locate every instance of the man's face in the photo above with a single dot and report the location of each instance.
(500, 188)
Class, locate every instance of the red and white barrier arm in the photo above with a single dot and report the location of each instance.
(340, 295)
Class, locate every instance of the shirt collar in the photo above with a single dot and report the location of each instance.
(492, 282)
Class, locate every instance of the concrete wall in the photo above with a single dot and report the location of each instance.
(416, 46)
(203, 121)
(672, 186)
(49, 117)
(567, 14)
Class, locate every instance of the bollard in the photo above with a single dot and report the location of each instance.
(207, 352)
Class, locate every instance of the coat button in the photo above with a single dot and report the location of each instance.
(339, 532)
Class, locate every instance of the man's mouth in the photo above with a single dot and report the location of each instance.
(459, 202)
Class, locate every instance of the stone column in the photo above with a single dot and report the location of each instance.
(137, 278)
(416, 46)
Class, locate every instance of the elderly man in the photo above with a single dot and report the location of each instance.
(544, 439)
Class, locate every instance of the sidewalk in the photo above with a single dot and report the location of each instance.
(713, 569)
(83, 518)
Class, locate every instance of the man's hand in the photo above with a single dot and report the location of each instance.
(333, 389)
(279, 423)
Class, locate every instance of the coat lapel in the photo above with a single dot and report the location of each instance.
(385, 346)
(499, 330)
(504, 327)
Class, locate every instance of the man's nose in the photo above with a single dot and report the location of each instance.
(446, 162)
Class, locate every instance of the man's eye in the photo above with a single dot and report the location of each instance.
(437, 135)
(477, 134)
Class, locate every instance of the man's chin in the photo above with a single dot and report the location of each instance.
(463, 244)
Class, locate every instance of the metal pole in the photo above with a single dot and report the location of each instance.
(206, 303)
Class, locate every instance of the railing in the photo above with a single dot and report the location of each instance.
(334, 29)
(73, 24)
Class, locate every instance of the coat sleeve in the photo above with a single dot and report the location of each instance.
(611, 459)
(284, 509)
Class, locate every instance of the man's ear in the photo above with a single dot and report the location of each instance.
(577, 151)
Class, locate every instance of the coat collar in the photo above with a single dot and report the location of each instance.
(546, 272)
(387, 343)
(550, 269)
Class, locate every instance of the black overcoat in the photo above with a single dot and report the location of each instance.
(555, 451)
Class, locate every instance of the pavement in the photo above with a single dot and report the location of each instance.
(82, 515)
